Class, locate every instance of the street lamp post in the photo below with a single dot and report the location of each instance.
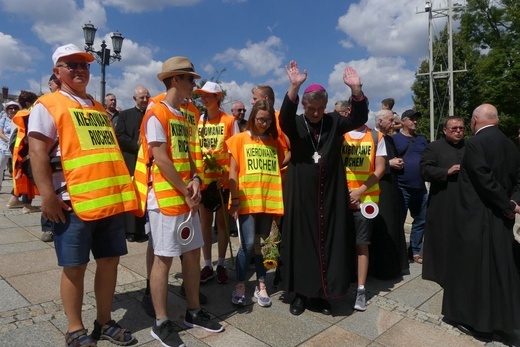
(103, 57)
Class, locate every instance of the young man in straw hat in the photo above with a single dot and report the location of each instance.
(174, 194)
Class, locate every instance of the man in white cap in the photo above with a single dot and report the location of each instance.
(85, 188)
(172, 198)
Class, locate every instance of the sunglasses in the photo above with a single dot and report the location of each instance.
(12, 109)
(264, 120)
(241, 110)
(75, 66)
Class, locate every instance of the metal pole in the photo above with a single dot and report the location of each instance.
(450, 60)
(432, 109)
(103, 65)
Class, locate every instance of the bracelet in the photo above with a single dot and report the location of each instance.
(235, 199)
(234, 205)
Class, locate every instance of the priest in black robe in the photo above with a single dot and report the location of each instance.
(318, 247)
(482, 287)
(440, 165)
(388, 252)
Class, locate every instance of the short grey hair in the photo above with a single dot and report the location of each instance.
(316, 95)
(381, 114)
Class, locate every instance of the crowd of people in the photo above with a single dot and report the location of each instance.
(338, 191)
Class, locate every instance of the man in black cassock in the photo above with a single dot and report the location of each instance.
(318, 247)
(482, 287)
(127, 133)
(440, 165)
(388, 251)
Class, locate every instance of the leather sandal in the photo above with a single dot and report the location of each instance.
(418, 259)
(79, 338)
(112, 332)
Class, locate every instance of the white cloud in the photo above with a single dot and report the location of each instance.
(381, 78)
(148, 5)
(258, 59)
(14, 55)
(388, 28)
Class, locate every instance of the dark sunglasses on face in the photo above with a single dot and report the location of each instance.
(241, 110)
(74, 66)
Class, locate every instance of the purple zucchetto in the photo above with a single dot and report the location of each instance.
(314, 88)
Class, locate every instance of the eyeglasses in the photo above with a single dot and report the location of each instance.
(74, 66)
(264, 120)
(456, 128)
(190, 78)
(241, 110)
(12, 109)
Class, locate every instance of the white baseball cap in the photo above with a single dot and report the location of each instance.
(209, 87)
(68, 50)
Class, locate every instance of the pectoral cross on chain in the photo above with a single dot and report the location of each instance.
(316, 157)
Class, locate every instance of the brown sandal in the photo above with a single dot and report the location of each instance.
(112, 332)
(79, 338)
(418, 259)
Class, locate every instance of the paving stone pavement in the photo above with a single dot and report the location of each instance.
(404, 312)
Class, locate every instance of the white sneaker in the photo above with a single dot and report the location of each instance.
(239, 296)
(360, 304)
(264, 301)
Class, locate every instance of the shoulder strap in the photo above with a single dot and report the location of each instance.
(375, 136)
(410, 145)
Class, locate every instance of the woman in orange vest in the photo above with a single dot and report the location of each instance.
(214, 128)
(256, 192)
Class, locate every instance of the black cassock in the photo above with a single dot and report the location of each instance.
(318, 247)
(437, 158)
(482, 283)
(388, 252)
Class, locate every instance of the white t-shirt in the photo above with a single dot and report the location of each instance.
(41, 121)
(154, 132)
(381, 146)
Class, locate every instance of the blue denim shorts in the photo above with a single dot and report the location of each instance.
(75, 238)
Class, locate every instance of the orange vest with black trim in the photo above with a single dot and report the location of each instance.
(213, 135)
(22, 183)
(96, 175)
(259, 179)
(359, 158)
(171, 201)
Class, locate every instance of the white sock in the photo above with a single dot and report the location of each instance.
(207, 262)
(220, 261)
(361, 287)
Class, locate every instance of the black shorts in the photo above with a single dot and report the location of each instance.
(211, 199)
(363, 227)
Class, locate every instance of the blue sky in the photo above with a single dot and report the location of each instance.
(247, 42)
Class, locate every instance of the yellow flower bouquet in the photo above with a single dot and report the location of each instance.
(270, 248)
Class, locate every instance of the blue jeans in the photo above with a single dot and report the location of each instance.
(415, 200)
(252, 225)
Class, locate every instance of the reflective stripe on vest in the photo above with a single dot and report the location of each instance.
(359, 160)
(97, 178)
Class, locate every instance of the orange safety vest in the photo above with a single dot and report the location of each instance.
(212, 135)
(359, 158)
(259, 179)
(170, 199)
(97, 178)
(22, 183)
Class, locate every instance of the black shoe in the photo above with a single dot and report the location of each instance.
(166, 334)
(203, 299)
(478, 335)
(233, 233)
(297, 306)
(325, 307)
(136, 237)
(202, 320)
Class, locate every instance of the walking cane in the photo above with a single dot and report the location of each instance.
(226, 224)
